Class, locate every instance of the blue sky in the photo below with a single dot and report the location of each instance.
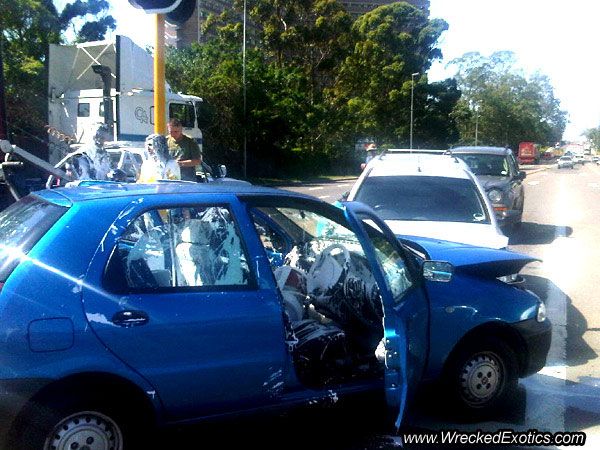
(556, 37)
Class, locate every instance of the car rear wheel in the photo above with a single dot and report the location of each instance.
(82, 422)
(85, 430)
(481, 375)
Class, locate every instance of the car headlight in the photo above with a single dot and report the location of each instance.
(509, 279)
(495, 195)
(541, 312)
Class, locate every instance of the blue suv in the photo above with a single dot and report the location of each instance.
(126, 307)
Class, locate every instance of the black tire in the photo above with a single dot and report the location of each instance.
(480, 376)
(59, 421)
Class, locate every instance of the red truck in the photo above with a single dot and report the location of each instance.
(529, 153)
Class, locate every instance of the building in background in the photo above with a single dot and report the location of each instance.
(191, 31)
(359, 7)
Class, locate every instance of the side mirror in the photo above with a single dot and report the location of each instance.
(438, 271)
(222, 170)
(362, 166)
(521, 175)
(344, 196)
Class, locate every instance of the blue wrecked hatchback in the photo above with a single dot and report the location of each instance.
(126, 307)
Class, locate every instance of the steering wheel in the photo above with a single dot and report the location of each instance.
(326, 272)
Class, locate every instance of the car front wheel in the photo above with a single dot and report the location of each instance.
(481, 375)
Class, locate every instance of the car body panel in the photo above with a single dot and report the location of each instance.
(406, 321)
(227, 343)
(466, 233)
(454, 316)
(490, 301)
(480, 261)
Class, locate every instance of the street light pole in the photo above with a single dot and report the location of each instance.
(412, 101)
(476, 122)
(244, 83)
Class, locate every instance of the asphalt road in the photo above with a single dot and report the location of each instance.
(560, 227)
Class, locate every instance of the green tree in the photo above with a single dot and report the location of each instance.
(504, 105)
(27, 28)
(306, 84)
(593, 135)
(374, 85)
(434, 124)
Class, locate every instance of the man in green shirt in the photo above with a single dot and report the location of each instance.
(184, 149)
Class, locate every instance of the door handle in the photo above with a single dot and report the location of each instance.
(130, 318)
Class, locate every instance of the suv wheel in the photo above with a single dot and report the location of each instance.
(481, 375)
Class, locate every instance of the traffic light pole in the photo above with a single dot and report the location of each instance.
(160, 121)
(3, 125)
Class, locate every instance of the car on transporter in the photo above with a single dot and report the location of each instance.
(126, 306)
(498, 172)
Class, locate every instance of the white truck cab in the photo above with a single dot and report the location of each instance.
(85, 78)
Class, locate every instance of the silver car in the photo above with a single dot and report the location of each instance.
(565, 161)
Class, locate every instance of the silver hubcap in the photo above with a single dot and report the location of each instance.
(481, 378)
(86, 430)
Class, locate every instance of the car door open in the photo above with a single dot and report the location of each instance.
(404, 302)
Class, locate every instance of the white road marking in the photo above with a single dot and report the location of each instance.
(594, 185)
(533, 183)
(548, 412)
(584, 174)
(315, 188)
(324, 196)
(344, 185)
(544, 174)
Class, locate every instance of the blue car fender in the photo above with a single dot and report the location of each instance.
(466, 304)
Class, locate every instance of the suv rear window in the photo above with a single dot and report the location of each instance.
(423, 198)
(22, 225)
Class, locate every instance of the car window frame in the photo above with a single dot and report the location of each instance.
(332, 213)
(110, 273)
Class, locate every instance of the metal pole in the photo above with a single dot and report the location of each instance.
(160, 122)
(412, 101)
(244, 83)
(476, 124)
(3, 124)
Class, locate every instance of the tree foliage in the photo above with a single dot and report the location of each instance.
(593, 135)
(503, 104)
(309, 94)
(391, 43)
(27, 28)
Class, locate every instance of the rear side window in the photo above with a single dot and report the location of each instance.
(22, 225)
(188, 247)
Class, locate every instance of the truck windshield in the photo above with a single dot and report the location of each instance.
(495, 165)
(21, 226)
(423, 198)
